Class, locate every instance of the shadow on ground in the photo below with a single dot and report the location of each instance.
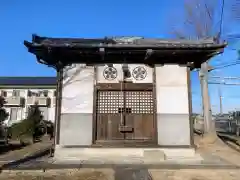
(131, 174)
(11, 147)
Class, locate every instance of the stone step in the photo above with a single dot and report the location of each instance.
(146, 154)
(154, 155)
(197, 157)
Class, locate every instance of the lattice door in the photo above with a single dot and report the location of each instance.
(109, 116)
(140, 102)
(141, 116)
(125, 115)
(109, 102)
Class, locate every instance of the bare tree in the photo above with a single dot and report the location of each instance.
(199, 20)
(204, 19)
(208, 18)
(235, 9)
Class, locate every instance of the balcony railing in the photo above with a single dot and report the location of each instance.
(41, 101)
(14, 101)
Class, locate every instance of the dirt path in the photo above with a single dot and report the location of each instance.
(218, 148)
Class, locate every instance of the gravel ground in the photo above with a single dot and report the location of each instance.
(217, 148)
(189, 174)
(125, 174)
(56, 175)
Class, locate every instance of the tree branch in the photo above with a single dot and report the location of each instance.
(199, 20)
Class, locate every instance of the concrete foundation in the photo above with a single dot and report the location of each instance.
(173, 130)
(76, 129)
(122, 154)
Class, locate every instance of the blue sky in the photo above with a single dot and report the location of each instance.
(94, 18)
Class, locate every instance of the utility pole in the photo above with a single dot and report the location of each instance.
(207, 112)
(220, 99)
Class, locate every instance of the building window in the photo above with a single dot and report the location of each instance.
(4, 93)
(29, 93)
(45, 93)
(16, 93)
(44, 112)
(13, 114)
(55, 93)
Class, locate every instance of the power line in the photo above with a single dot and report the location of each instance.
(222, 80)
(226, 65)
(228, 62)
(219, 77)
(227, 84)
(220, 67)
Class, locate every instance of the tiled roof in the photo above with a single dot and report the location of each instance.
(59, 52)
(124, 42)
(28, 81)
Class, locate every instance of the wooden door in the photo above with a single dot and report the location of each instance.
(125, 116)
(140, 115)
(109, 104)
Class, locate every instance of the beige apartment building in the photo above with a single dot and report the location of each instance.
(22, 92)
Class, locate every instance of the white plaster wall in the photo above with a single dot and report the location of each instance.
(77, 106)
(172, 106)
(101, 79)
(77, 93)
(172, 89)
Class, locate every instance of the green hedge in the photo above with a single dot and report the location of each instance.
(21, 130)
(29, 127)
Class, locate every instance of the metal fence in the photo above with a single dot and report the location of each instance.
(223, 126)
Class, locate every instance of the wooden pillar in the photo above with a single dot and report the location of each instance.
(58, 105)
(190, 106)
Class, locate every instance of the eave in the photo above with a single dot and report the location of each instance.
(61, 52)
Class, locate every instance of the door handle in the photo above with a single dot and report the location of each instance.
(125, 129)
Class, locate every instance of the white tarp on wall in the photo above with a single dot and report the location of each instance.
(77, 95)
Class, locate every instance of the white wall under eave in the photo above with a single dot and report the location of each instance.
(147, 79)
(172, 88)
(77, 106)
(172, 105)
(77, 93)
